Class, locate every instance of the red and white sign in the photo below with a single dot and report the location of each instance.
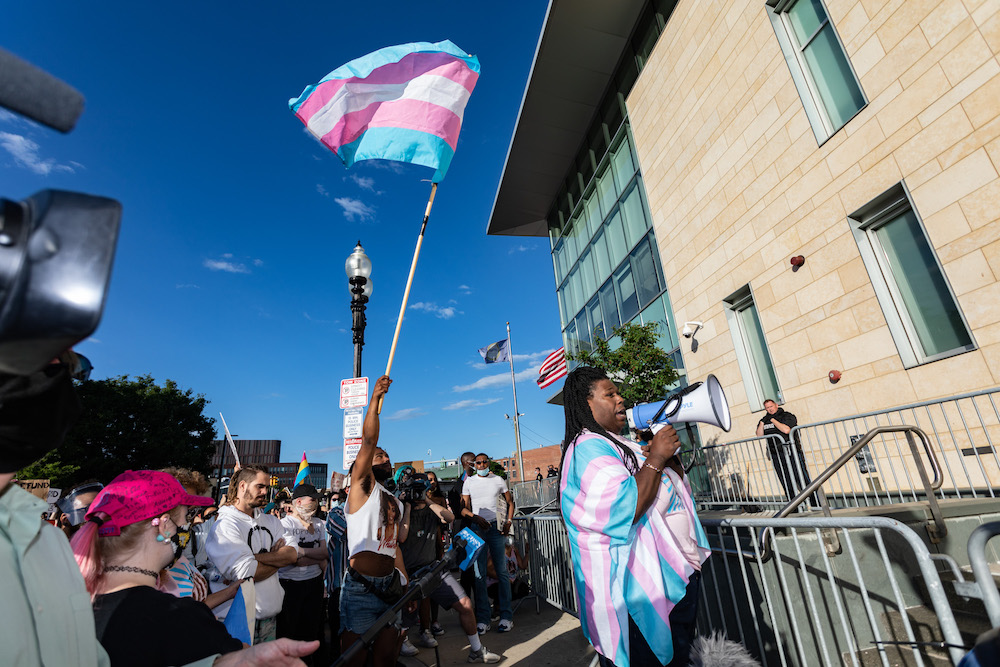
(351, 448)
(353, 393)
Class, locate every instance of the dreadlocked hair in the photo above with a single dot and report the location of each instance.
(578, 388)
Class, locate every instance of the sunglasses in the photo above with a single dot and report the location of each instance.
(482, 463)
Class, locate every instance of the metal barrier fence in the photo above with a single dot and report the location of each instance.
(804, 608)
(536, 494)
(543, 538)
(963, 430)
(981, 569)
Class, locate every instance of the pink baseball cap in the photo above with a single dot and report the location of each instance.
(137, 495)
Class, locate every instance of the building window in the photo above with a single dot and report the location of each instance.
(823, 75)
(921, 310)
(759, 378)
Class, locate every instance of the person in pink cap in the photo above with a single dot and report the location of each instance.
(129, 537)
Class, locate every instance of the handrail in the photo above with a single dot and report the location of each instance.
(977, 559)
(940, 530)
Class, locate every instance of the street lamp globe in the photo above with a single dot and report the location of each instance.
(358, 265)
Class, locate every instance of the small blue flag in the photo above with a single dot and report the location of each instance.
(496, 352)
(237, 619)
(473, 543)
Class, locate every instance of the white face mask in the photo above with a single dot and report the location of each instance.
(305, 514)
(483, 472)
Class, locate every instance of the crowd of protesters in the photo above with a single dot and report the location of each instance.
(161, 564)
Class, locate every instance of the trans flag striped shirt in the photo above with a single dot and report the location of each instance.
(621, 569)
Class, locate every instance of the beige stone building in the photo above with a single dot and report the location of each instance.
(860, 135)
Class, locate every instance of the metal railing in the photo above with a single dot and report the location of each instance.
(987, 587)
(536, 494)
(550, 567)
(963, 430)
(804, 608)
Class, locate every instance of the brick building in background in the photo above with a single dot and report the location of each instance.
(259, 452)
(541, 457)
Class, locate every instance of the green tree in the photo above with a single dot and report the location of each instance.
(642, 370)
(130, 424)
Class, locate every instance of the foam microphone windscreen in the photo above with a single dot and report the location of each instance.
(36, 94)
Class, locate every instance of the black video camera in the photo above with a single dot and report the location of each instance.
(413, 487)
(56, 247)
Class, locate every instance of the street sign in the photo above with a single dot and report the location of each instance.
(351, 448)
(353, 421)
(353, 393)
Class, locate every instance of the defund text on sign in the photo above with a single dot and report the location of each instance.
(351, 448)
(353, 393)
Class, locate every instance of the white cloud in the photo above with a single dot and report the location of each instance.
(520, 248)
(258, 262)
(322, 190)
(187, 286)
(405, 414)
(355, 209)
(469, 404)
(465, 289)
(498, 380)
(228, 267)
(388, 165)
(25, 154)
(533, 356)
(443, 312)
(364, 182)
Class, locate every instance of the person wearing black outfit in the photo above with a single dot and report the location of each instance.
(792, 473)
(538, 475)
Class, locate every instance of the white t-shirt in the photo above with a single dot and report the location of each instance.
(297, 534)
(231, 545)
(484, 492)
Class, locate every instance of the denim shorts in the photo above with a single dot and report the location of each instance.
(359, 609)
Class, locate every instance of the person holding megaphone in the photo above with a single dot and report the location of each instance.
(636, 542)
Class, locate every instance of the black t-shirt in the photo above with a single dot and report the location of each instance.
(145, 627)
(420, 547)
(783, 416)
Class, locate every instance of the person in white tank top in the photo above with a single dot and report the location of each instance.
(376, 564)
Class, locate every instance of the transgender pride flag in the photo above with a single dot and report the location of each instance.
(402, 103)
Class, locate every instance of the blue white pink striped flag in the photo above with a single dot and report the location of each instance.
(402, 103)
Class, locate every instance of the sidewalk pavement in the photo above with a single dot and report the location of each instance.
(549, 638)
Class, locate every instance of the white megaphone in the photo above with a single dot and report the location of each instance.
(702, 402)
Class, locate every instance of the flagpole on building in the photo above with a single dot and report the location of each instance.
(517, 428)
(409, 282)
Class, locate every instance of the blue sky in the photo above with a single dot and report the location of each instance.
(229, 271)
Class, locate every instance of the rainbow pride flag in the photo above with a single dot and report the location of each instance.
(303, 473)
(403, 103)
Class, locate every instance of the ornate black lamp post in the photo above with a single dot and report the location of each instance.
(358, 268)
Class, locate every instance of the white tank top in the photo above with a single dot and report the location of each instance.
(365, 531)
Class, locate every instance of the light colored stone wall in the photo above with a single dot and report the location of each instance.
(737, 186)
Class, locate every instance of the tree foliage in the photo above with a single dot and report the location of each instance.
(129, 424)
(642, 370)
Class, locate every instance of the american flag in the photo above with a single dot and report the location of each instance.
(553, 368)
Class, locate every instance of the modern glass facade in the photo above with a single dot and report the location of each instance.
(604, 252)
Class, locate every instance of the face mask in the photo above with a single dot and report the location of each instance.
(382, 471)
(304, 514)
(483, 472)
(180, 540)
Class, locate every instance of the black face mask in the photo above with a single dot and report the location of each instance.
(36, 412)
(382, 472)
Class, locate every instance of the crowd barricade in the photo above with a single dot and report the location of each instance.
(962, 430)
(805, 607)
(543, 539)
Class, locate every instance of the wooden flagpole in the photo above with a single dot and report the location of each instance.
(409, 282)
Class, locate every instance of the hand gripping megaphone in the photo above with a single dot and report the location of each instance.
(702, 402)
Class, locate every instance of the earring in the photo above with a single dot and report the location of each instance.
(160, 538)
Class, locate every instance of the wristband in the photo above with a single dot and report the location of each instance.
(646, 464)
